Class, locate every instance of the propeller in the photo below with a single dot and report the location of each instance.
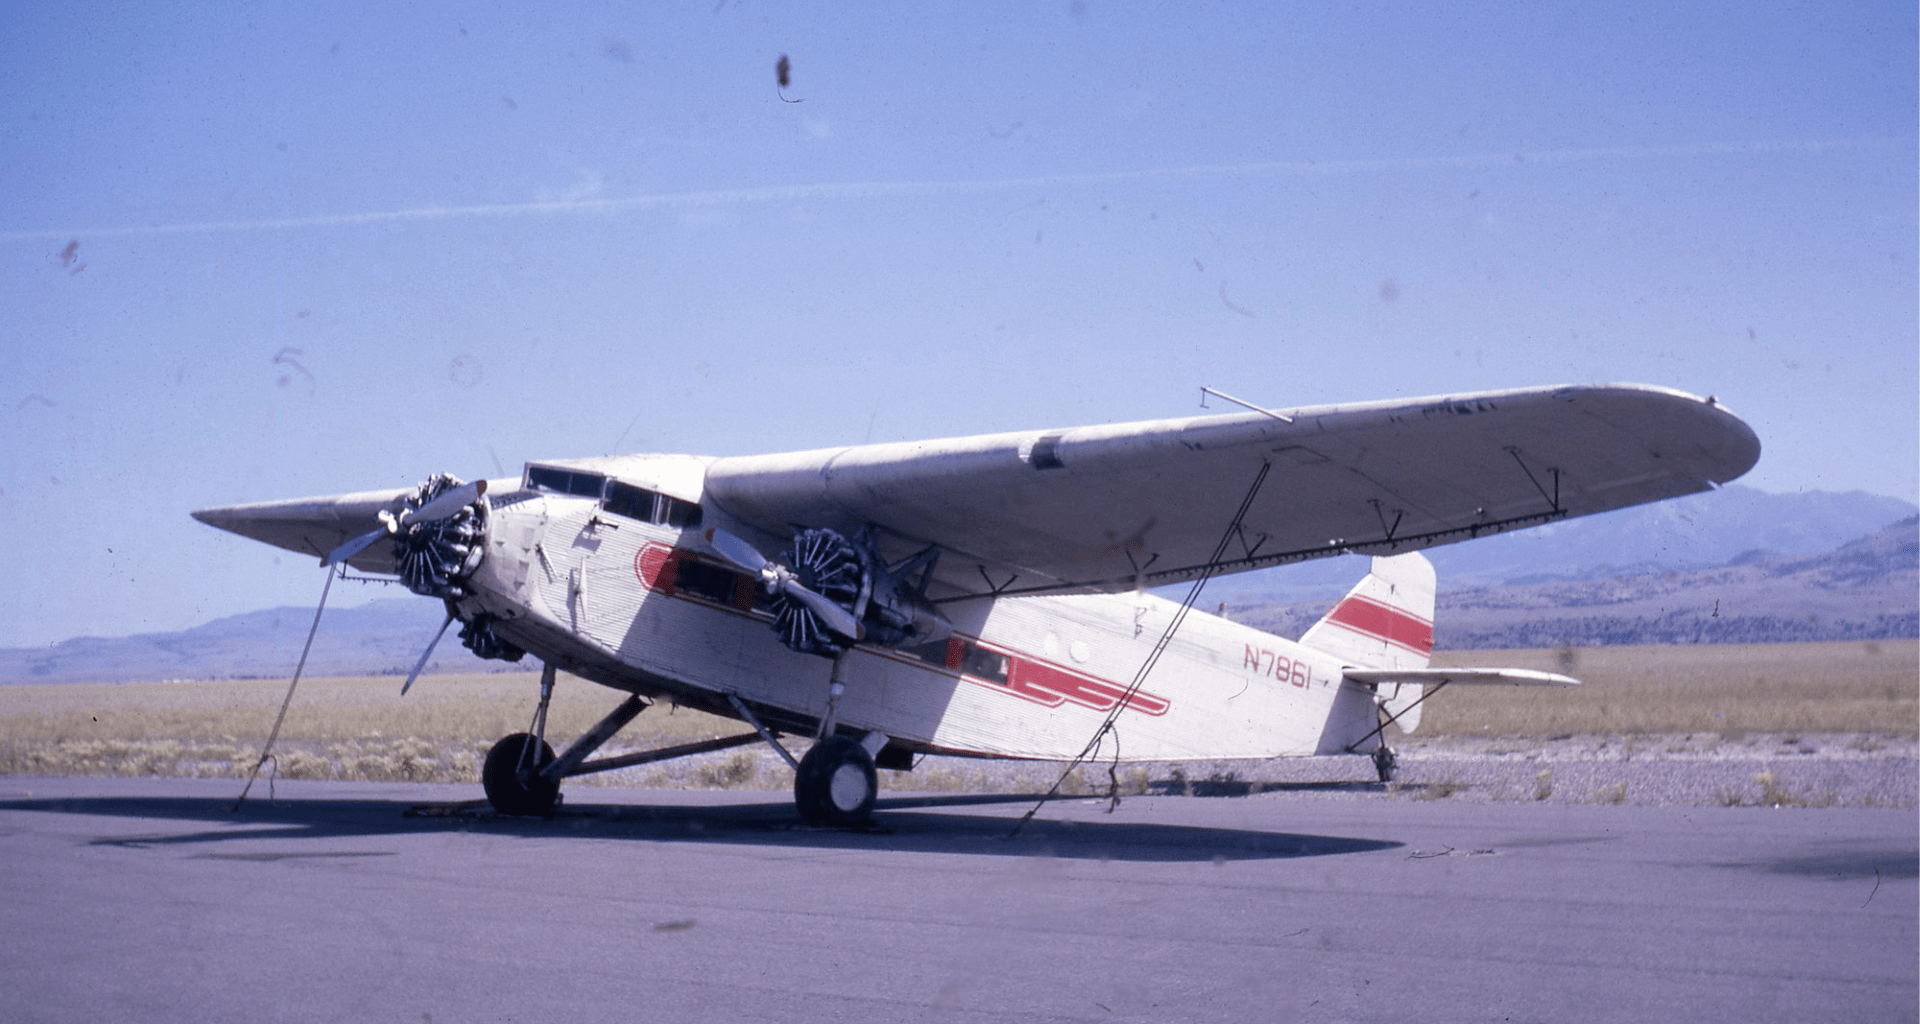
(449, 503)
(782, 580)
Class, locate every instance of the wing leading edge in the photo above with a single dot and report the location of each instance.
(316, 526)
(1124, 505)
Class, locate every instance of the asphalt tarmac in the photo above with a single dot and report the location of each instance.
(147, 899)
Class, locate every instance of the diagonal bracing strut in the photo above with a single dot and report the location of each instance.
(1166, 637)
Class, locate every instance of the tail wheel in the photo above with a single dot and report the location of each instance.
(836, 783)
(512, 781)
(1384, 763)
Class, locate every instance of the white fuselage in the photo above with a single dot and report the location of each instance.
(647, 608)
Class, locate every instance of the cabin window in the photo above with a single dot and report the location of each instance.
(707, 582)
(675, 512)
(964, 655)
(981, 663)
(672, 571)
(630, 501)
(937, 652)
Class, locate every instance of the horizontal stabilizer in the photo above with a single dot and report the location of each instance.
(1464, 676)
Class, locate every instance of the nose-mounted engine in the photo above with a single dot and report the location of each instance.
(436, 552)
(435, 557)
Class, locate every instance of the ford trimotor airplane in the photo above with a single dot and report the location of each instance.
(986, 596)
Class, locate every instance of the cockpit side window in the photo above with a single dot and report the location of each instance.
(675, 512)
(624, 499)
(630, 501)
(565, 481)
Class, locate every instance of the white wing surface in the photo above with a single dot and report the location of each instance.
(1462, 676)
(316, 526)
(1124, 505)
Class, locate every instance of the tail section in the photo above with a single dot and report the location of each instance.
(1386, 622)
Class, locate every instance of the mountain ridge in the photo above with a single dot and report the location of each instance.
(1867, 588)
(1535, 588)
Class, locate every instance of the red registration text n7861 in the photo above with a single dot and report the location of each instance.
(1266, 663)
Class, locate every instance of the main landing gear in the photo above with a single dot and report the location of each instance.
(512, 777)
(522, 776)
(834, 784)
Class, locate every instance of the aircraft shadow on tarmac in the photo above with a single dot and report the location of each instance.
(903, 825)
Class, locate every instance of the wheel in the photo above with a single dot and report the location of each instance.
(1384, 763)
(836, 783)
(507, 790)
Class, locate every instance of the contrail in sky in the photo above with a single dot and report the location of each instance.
(883, 190)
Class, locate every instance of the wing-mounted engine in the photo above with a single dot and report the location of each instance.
(832, 591)
(898, 611)
(826, 564)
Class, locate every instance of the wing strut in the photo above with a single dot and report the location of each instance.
(1153, 657)
(266, 752)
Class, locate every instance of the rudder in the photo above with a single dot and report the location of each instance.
(1385, 622)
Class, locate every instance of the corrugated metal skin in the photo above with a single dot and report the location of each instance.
(1222, 690)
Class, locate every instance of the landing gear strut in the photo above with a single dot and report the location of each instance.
(515, 775)
(835, 784)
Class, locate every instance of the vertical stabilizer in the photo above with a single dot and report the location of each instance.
(1385, 623)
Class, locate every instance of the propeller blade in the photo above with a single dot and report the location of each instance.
(428, 653)
(449, 503)
(836, 618)
(780, 578)
(353, 547)
(737, 551)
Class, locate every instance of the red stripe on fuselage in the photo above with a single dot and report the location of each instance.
(1050, 685)
(656, 565)
(1384, 622)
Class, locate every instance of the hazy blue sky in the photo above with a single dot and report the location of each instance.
(258, 251)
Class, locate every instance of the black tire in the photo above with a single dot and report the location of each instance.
(507, 791)
(836, 783)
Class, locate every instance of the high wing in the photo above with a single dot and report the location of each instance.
(316, 526)
(1107, 508)
(1110, 508)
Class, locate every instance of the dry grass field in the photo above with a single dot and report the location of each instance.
(362, 729)
(350, 728)
(1732, 689)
